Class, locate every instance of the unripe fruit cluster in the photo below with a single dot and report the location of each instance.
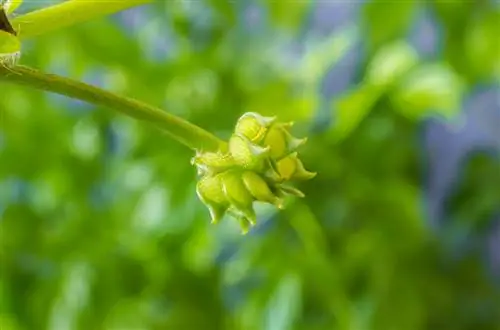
(261, 159)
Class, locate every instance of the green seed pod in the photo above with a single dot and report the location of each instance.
(291, 168)
(276, 140)
(246, 154)
(210, 191)
(238, 195)
(213, 162)
(271, 172)
(260, 189)
(253, 126)
(287, 166)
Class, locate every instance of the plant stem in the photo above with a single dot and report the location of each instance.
(181, 130)
(66, 14)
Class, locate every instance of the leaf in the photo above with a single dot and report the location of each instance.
(288, 14)
(387, 20)
(11, 5)
(432, 88)
(9, 44)
(283, 307)
(320, 57)
(351, 108)
(390, 63)
(482, 45)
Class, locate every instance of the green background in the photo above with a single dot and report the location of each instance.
(100, 224)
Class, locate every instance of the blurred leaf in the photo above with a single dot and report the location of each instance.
(430, 88)
(8, 323)
(387, 20)
(288, 14)
(390, 63)
(284, 305)
(321, 56)
(482, 45)
(351, 108)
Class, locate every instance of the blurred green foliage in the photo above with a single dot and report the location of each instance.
(100, 224)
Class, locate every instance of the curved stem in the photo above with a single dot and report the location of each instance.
(66, 14)
(181, 130)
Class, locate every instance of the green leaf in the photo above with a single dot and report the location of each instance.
(288, 14)
(11, 5)
(351, 108)
(390, 63)
(9, 44)
(432, 88)
(387, 20)
(482, 45)
(284, 305)
(324, 55)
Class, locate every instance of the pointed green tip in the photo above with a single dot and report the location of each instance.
(262, 120)
(279, 203)
(245, 225)
(216, 214)
(305, 175)
(259, 151)
(301, 173)
(291, 191)
(295, 143)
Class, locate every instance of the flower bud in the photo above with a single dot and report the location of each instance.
(260, 189)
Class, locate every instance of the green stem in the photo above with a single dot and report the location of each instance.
(66, 14)
(181, 130)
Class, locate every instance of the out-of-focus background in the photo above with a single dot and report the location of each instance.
(100, 224)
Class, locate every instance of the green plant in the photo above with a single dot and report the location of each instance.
(254, 166)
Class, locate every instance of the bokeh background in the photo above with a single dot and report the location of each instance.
(100, 224)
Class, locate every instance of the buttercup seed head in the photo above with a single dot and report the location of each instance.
(260, 160)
